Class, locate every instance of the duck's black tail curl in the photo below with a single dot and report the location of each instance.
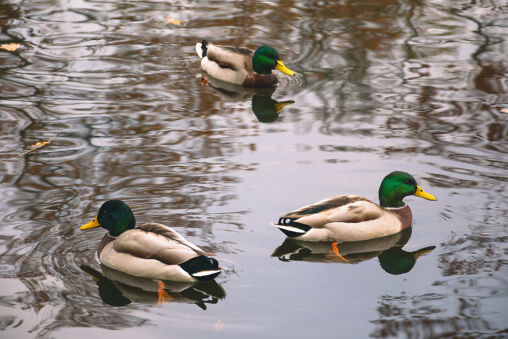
(202, 267)
(291, 228)
(204, 48)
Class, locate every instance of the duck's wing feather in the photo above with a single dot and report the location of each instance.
(344, 208)
(230, 57)
(356, 212)
(156, 241)
(239, 50)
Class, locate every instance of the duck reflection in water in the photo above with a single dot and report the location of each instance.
(119, 289)
(264, 107)
(392, 258)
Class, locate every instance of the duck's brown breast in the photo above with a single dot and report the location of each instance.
(104, 241)
(405, 216)
(259, 80)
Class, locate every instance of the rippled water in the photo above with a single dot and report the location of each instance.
(420, 86)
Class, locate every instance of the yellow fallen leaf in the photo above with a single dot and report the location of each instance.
(35, 146)
(504, 110)
(39, 144)
(10, 47)
(173, 21)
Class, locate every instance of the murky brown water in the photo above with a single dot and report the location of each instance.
(383, 85)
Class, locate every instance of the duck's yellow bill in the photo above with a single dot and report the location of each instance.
(92, 224)
(281, 68)
(280, 105)
(422, 194)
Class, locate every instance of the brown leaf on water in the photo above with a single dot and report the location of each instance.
(35, 146)
(173, 21)
(10, 47)
(504, 110)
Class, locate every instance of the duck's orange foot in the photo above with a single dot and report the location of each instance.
(204, 81)
(162, 296)
(335, 249)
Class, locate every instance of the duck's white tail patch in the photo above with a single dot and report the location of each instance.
(207, 273)
(199, 50)
(289, 228)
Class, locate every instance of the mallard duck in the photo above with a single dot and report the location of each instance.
(150, 250)
(241, 66)
(355, 218)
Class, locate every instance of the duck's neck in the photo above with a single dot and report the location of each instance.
(404, 214)
(390, 198)
(106, 239)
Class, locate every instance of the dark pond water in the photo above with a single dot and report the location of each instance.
(420, 86)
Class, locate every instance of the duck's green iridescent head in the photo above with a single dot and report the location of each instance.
(397, 185)
(115, 216)
(266, 58)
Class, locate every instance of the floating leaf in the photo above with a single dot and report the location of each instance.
(39, 144)
(35, 146)
(10, 47)
(173, 21)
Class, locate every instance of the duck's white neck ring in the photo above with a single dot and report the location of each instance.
(395, 208)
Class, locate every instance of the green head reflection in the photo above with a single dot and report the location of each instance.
(397, 261)
(266, 109)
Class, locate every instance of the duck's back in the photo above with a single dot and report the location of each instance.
(156, 241)
(236, 59)
(344, 208)
(152, 251)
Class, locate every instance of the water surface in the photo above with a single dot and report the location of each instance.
(419, 86)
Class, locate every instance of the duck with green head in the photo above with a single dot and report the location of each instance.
(241, 66)
(150, 250)
(355, 218)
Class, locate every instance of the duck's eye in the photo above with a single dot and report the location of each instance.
(407, 182)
